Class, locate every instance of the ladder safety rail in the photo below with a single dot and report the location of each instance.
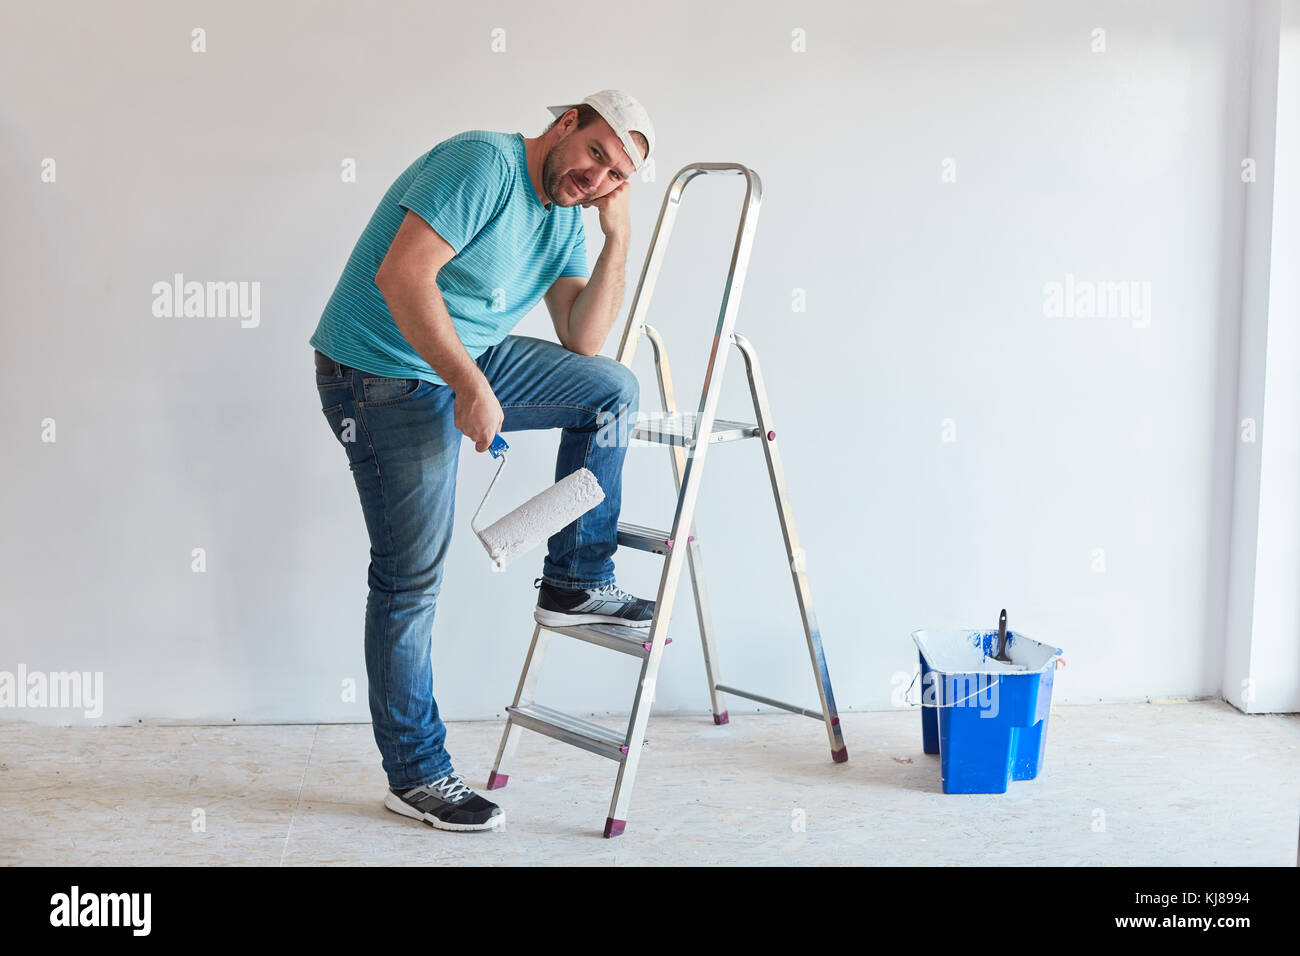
(659, 243)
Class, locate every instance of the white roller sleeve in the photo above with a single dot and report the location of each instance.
(541, 516)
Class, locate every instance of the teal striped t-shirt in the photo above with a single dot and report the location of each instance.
(474, 190)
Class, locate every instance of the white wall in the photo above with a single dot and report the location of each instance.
(1262, 632)
(925, 303)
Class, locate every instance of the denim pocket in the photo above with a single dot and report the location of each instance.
(387, 391)
(332, 390)
(338, 423)
(349, 433)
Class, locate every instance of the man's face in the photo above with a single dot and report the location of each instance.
(585, 165)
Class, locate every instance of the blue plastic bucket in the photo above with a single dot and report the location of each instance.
(986, 719)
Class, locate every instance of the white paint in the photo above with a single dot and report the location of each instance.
(958, 651)
(541, 516)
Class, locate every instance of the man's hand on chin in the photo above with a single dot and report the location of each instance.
(615, 221)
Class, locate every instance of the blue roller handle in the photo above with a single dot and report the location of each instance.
(498, 446)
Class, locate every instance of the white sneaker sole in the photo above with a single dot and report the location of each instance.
(395, 803)
(559, 619)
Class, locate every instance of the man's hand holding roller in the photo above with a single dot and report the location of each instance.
(478, 413)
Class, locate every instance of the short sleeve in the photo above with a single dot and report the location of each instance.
(577, 261)
(459, 188)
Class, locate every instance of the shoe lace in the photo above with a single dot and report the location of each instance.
(614, 591)
(454, 786)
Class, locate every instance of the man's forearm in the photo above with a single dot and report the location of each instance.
(597, 305)
(421, 316)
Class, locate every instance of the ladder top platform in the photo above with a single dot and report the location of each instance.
(681, 428)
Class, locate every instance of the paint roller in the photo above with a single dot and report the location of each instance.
(539, 517)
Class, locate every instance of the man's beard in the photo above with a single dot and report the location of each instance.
(555, 181)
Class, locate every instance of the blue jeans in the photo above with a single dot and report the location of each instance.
(402, 447)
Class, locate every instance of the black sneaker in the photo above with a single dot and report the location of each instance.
(448, 804)
(558, 607)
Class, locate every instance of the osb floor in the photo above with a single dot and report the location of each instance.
(1132, 784)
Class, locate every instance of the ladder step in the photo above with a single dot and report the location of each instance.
(679, 428)
(616, 637)
(646, 539)
(572, 730)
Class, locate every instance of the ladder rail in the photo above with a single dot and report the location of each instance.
(690, 488)
(677, 460)
(688, 437)
(659, 244)
(523, 692)
(794, 552)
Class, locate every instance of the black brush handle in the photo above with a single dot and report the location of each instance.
(1001, 655)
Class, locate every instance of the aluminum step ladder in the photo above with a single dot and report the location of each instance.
(688, 436)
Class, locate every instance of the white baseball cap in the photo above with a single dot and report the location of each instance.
(623, 114)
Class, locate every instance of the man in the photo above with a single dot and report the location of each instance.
(413, 351)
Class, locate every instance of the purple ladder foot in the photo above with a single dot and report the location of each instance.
(497, 780)
(721, 718)
(614, 827)
(841, 755)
